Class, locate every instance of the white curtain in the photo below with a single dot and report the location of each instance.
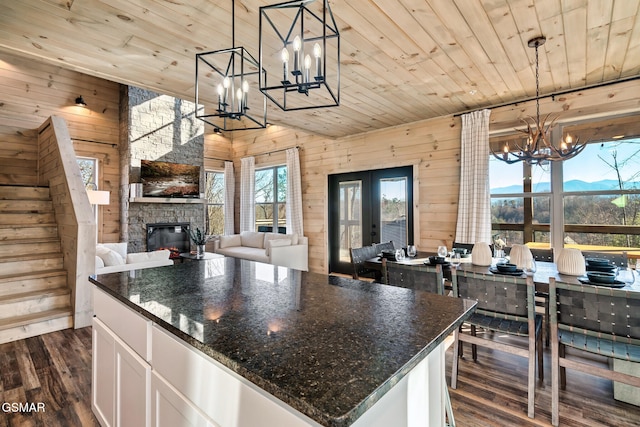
(294, 193)
(474, 207)
(247, 195)
(229, 194)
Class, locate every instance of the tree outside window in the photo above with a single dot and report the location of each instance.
(214, 194)
(271, 198)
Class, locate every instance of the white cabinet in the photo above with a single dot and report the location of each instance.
(172, 409)
(121, 377)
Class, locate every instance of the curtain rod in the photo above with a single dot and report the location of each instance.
(274, 151)
(551, 95)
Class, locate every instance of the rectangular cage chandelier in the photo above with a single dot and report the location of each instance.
(300, 55)
(228, 80)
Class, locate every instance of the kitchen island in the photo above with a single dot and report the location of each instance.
(230, 342)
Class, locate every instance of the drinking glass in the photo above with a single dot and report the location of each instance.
(399, 254)
(442, 251)
(455, 259)
(411, 251)
(530, 269)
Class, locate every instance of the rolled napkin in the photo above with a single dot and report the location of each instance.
(570, 261)
(481, 254)
(521, 256)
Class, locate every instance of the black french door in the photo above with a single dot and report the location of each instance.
(368, 207)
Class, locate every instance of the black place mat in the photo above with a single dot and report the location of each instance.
(444, 264)
(518, 272)
(601, 268)
(615, 284)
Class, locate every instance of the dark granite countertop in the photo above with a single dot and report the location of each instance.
(329, 347)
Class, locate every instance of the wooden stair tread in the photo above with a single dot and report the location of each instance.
(34, 240)
(34, 275)
(24, 296)
(42, 224)
(28, 319)
(30, 257)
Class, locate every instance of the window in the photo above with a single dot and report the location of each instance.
(592, 203)
(271, 199)
(214, 193)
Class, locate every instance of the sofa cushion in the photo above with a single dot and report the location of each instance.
(252, 239)
(148, 256)
(229, 241)
(279, 236)
(109, 257)
(276, 242)
(120, 248)
(244, 252)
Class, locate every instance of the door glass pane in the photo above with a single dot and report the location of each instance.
(350, 217)
(393, 211)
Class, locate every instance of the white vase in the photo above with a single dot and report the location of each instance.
(481, 254)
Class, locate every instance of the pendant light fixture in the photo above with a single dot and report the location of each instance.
(300, 53)
(537, 148)
(227, 88)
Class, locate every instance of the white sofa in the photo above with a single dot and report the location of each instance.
(113, 258)
(286, 250)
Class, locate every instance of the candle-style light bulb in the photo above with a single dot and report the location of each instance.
(505, 151)
(285, 63)
(226, 82)
(317, 52)
(239, 98)
(307, 67)
(569, 141)
(245, 91)
(220, 90)
(297, 44)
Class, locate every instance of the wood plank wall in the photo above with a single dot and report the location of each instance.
(32, 92)
(431, 146)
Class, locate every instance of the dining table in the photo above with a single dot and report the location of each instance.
(544, 270)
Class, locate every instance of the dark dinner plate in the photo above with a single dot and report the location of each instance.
(615, 284)
(517, 272)
(602, 268)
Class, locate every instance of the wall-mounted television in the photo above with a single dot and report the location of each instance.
(166, 179)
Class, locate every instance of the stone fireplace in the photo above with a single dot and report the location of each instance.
(163, 128)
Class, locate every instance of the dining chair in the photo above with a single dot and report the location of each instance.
(540, 254)
(505, 306)
(384, 246)
(358, 258)
(619, 259)
(467, 246)
(592, 319)
(419, 277)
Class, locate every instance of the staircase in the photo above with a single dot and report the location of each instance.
(34, 295)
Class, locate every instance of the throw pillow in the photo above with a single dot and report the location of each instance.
(99, 262)
(109, 257)
(120, 248)
(148, 256)
(252, 239)
(277, 236)
(230, 241)
(275, 243)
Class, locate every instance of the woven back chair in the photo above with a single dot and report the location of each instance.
(545, 255)
(594, 319)
(384, 246)
(358, 258)
(619, 259)
(506, 306)
(419, 277)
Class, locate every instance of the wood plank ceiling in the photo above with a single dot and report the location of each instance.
(401, 60)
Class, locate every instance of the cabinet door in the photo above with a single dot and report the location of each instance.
(169, 408)
(133, 384)
(103, 375)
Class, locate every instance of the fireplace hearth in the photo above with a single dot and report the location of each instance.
(171, 236)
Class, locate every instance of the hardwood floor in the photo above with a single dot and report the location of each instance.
(55, 369)
(52, 372)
